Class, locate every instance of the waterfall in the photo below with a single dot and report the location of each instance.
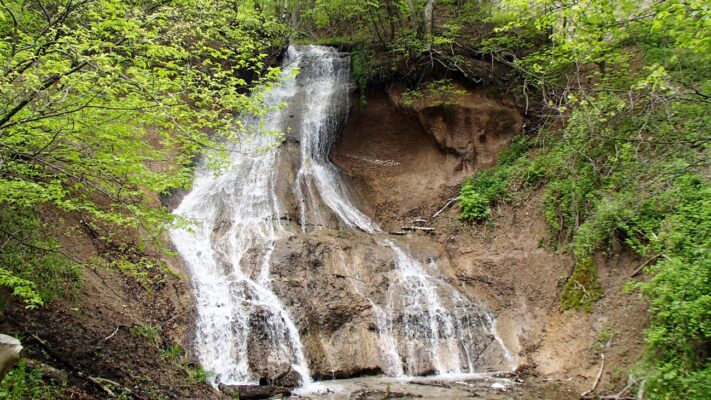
(424, 325)
(326, 81)
(237, 221)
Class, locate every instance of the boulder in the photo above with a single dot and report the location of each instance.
(9, 353)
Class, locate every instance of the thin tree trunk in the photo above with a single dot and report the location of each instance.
(377, 32)
(392, 17)
(429, 11)
(413, 15)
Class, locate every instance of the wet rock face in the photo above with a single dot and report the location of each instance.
(317, 276)
(335, 284)
(267, 360)
(293, 278)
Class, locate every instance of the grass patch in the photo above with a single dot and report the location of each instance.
(149, 332)
(176, 355)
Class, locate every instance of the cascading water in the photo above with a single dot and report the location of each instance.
(237, 221)
(424, 324)
(326, 80)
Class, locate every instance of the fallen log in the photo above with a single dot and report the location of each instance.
(621, 395)
(48, 371)
(432, 383)
(254, 391)
(449, 203)
(418, 228)
(107, 385)
(375, 394)
(9, 353)
(641, 267)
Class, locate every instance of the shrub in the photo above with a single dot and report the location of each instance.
(149, 332)
(481, 191)
(679, 294)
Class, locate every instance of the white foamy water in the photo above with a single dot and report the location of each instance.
(325, 77)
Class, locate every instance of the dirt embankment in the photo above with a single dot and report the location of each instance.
(406, 162)
(120, 332)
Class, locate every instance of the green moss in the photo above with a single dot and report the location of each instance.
(582, 289)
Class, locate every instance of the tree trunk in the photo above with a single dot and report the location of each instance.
(413, 14)
(429, 11)
(392, 18)
(9, 353)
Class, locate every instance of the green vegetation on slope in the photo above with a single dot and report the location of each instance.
(406, 39)
(631, 86)
(23, 383)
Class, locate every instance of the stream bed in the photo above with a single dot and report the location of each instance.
(459, 386)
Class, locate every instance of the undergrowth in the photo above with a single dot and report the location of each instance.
(32, 264)
(176, 355)
(489, 187)
(23, 383)
(171, 353)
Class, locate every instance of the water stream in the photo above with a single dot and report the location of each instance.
(425, 325)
